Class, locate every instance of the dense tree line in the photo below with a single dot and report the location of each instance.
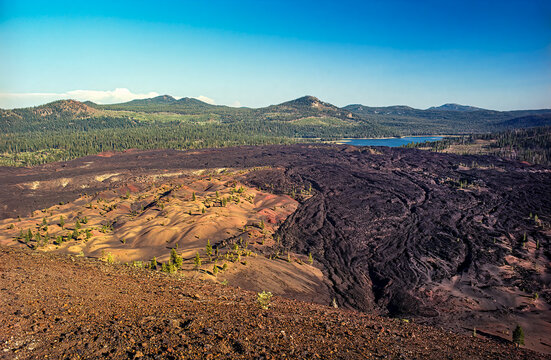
(64, 143)
(532, 145)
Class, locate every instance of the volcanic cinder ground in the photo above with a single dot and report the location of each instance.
(454, 241)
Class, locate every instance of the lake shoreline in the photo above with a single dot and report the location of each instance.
(394, 141)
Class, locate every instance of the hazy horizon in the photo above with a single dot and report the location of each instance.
(492, 55)
(209, 101)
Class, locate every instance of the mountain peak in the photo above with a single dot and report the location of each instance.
(308, 98)
(163, 98)
(455, 107)
(306, 101)
(59, 107)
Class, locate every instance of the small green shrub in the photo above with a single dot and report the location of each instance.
(176, 259)
(263, 299)
(168, 267)
(109, 258)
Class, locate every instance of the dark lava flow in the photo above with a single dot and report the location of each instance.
(389, 226)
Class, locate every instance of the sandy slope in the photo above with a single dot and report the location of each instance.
(137, 222)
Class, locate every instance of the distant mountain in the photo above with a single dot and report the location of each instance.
(306, 116)
(161, 103)
(455, 107)
(308, 106)
(307, 102)
(163, 99)
(63, 108)
(445, 119)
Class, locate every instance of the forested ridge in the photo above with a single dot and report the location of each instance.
(67, 129)
(532, 145)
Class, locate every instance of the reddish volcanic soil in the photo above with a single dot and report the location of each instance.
(448, 240)
(63, 307)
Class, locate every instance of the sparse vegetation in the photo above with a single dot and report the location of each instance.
(263, 299)
(109, 258)
(168, 267)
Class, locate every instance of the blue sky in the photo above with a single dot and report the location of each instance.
(492, 54)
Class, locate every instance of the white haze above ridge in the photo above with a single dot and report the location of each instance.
(119, 95)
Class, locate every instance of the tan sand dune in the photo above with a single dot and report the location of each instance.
(130, 225)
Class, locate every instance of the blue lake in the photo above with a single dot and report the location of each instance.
(392, 142)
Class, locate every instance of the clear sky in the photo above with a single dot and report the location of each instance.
(491, 54)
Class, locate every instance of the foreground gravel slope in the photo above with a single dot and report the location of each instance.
(66, 307)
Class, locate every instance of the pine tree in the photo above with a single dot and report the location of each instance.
(193, 197)
(518, 336)
(61, 221)
(310, 259)
(176, 259)
(208, 248)
(153, 265)
(197, 260)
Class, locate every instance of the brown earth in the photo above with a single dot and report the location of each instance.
(435, 237)
(66, 307)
